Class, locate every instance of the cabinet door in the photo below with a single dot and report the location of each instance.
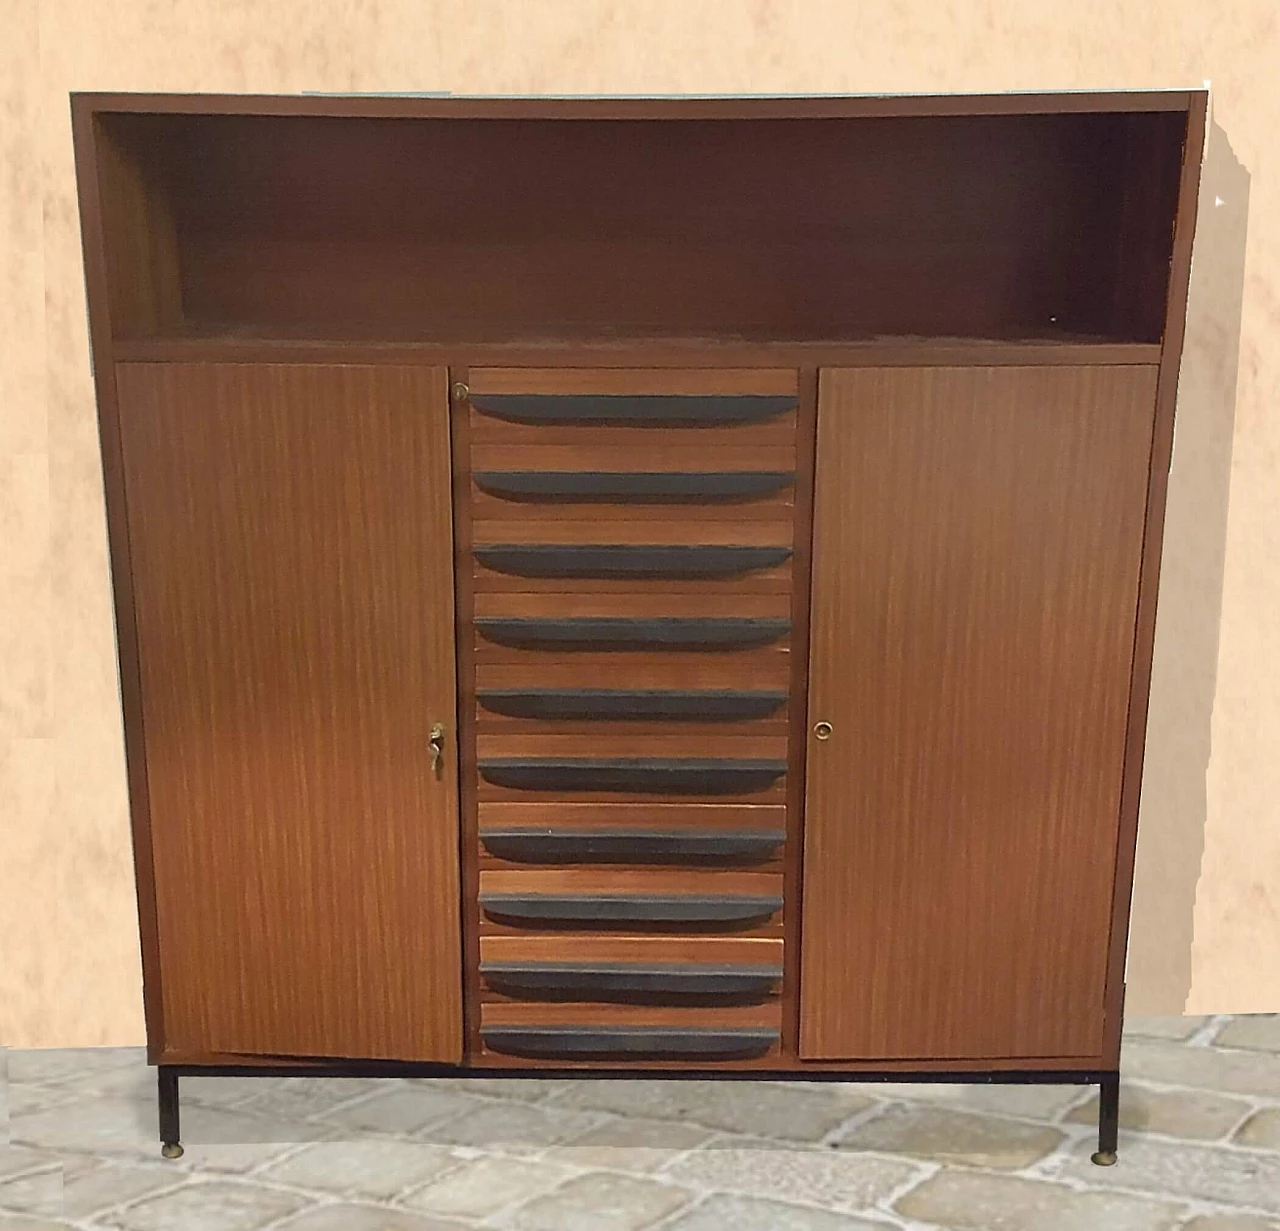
(976, 555)
(291, 555)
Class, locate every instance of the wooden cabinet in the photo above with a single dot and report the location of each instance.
(613, 584)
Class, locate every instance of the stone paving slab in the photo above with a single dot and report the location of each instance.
(1032, 1101)
(1261, 1131)
(634, 1144)
(110, 1125)
(517, 1128)
(400, 1109)
(1260, 1032)
(972, 1201)
(86, 1191)
(829, 1178)
(1178, 1169)
(370, 1169)
(600, 1202)
(482, 1187)
(1201, 1068)
(300, 1098)
(365, 1218)
(730, 1213)
(1230, 1222)
(82, 1066)
(38, 1193)
(942, 1135)
(208, 1205)
(1195, 1114)
(18, 1159)
(785, 1112)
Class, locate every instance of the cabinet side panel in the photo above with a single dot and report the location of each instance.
(292, 558)
(978, 537)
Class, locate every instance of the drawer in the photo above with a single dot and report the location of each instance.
(568, 834)
(525, 404)
(631, 634)
(572, 1032)
(644, 561)
(634, 622)
(767, 671)
(654, 969)
(623, 844)
(637, 531)
(661, 899)
(610, 496)
(654, 776)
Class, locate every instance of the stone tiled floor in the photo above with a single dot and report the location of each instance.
(1199, 1150)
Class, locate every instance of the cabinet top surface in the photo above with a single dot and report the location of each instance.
(444, 104)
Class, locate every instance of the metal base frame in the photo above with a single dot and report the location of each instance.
(1107, 1081)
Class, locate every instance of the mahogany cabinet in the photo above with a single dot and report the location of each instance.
(636, 584)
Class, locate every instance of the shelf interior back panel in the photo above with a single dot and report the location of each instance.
(999, 227)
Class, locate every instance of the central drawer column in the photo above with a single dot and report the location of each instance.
(626, 594)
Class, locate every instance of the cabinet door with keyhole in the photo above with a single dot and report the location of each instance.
(290, 551)
(977, 542)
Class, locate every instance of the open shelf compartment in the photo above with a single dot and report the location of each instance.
(1006, 227)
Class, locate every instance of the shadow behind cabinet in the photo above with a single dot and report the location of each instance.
(636, 584)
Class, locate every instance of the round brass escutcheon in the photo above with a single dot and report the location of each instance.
(460, 392)
(822, 730)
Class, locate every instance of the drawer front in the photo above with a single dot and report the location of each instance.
(602, 968)
(628, 683)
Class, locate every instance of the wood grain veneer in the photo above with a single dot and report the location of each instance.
(292, 566)
(977, 549)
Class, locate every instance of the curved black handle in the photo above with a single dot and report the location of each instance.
(632, 845)
(592, 1042)
(600, 909)
(651, 487)
(522, 560)
(624, 704)
(624, 634)
(646, 776)
(611, 980)
(626, 410)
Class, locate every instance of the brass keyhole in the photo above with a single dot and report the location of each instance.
(822, 730)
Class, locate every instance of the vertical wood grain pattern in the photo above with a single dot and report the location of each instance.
(978, 539)
(291, 545)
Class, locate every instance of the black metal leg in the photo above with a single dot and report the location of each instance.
(1108, 1120)
(170, 1146)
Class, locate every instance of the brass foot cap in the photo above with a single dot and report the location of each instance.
(171, 1149)
(1105, 1158)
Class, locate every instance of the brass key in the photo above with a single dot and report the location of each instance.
(436, 744)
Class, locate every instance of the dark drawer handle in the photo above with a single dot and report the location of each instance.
(611, 634)
(652, 777)
(623, 705)
(592, 1042)
(631, 845)
(597, 909)
(595, 982)
(626, 561)
(582, 486)
(616, 410)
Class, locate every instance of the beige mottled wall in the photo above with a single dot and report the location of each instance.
(1206, 929)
